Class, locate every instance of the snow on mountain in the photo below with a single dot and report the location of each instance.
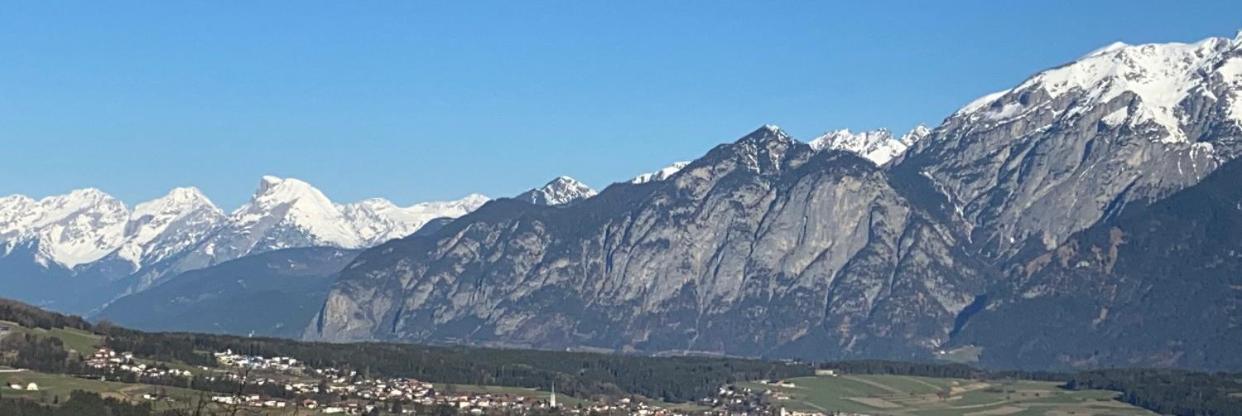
(659, 175)
(287, 213)
(87, 225)
(378, 220)
(878, 146)
(559, 191)
(1162, 76)
(79, 227)
(281, 205)
(914, 135)
(168, 225)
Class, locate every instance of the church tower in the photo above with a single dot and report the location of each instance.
(552, 402)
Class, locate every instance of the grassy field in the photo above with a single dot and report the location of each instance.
(53, 385)
(906, 395)
(78, 340)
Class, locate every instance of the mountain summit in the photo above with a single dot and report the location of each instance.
(878, 146)
(560, 191)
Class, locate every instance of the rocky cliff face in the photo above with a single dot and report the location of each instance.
(1054, 155)
(760, 231)
(1062, 223)
(1158, 285)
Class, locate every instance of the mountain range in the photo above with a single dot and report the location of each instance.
(1086, 217)
(76, 251)
(1062, 223)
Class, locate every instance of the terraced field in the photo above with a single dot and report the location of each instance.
(907, 395)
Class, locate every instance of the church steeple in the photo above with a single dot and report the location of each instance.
(552, 402)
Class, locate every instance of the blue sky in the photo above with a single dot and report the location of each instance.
(417, 101)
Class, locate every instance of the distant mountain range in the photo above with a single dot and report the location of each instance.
(59, 246)
(1087, 217)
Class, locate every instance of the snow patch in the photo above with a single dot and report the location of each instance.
(878, 146)
(660, 175)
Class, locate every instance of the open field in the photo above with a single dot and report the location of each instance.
(58, 386)
(908, 395)
(78, 340)
(53, 385)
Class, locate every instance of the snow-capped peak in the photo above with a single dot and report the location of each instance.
(659, 175)
(914, 135)
(177, 200)
(559, 191)
(79, 227)
(87, 226)
(291, 205)
(879, 146)
(1162, 76)
(287, 212)
(167, 225)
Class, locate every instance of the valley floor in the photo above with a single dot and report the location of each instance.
(926, 396)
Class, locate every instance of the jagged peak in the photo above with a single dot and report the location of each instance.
(879, 146)
(766, 132)
(560, 190)
(915, 134)
(1161, 75)
(16, 199)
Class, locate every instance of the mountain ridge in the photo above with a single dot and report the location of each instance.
(89, 240)
(770, 247)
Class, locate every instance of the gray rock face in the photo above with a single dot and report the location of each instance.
(1063, 198)
(1157, 285)
(1070, 145)
(758, 232)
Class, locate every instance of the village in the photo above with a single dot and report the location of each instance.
(286, 383)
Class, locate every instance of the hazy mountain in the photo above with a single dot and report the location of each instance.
(269, 294)
(76, 251)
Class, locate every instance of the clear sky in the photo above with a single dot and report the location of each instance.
(417, 101)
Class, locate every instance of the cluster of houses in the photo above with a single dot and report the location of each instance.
(352, 393)
(228, 358)
(346, 392)
(111, 361)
